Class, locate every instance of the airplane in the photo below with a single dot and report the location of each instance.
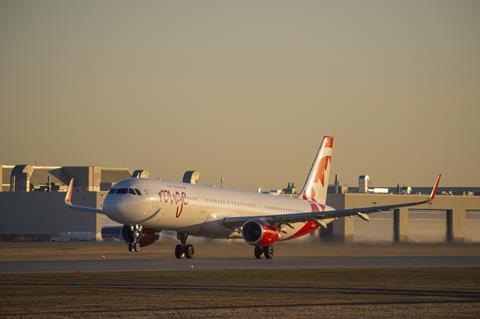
(147, 206)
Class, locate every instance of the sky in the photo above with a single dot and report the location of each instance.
(244, 89)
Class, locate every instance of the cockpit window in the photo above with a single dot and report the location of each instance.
(122, 190)
(133, 191)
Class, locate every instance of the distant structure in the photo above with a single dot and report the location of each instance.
(363, 183)
(364, 187)
(31, 201)
(336, 185)
(290, 190)
(405, 190)
(455, 203)
(140, 173)
(191, 177)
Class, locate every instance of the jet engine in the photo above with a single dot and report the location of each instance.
(147, 235)
(259, 233)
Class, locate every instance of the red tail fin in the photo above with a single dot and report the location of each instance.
(316, 186)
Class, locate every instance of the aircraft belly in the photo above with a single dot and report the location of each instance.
(213, 226)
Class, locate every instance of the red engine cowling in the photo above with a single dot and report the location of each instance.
(259, 233)
(147, 236)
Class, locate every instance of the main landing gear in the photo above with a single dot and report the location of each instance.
(266, 251)
(134, 243)
(184, 249)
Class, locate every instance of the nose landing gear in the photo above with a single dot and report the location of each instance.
(184, 249)
(134, 244)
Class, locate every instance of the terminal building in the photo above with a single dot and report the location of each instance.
(32, 206)
(454, 215)
(32, 200)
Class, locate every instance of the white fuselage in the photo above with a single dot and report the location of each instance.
(199, 210)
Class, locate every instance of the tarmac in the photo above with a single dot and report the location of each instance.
(297, 262)
(104, 280)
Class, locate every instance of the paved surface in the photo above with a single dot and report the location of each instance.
(238, 263)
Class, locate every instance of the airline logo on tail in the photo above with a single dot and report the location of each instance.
(316, 186)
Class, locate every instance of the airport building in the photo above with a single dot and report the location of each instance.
(451, 218)
(32, 200)
(454, 215)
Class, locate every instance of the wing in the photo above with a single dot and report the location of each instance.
(362, 212)
(68, 202)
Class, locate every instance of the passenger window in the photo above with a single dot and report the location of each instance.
(138, 192)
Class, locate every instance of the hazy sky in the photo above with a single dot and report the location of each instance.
(244, 89)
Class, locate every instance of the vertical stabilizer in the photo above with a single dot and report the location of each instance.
(316, 186)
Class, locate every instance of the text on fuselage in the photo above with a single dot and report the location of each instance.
(174, 198)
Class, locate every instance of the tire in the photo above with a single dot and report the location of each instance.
(189, 251)
(268, 252)
(179, 252)
(130, 247)
(137, 247)
(258, 252)
(127, 234)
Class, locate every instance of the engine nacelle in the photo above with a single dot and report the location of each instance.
(259, 233)
(147, 236)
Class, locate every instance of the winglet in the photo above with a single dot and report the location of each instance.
(68, 202)
(68, 197)
(435, 187)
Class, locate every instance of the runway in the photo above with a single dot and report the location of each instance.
(238, 263)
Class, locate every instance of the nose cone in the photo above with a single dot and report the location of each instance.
(122, 209)
(128, 209)
(129, 202)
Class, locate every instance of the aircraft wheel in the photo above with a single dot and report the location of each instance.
(258, 252)
(189, 251)
(179, 252)
(268, 251)
(136, 247)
